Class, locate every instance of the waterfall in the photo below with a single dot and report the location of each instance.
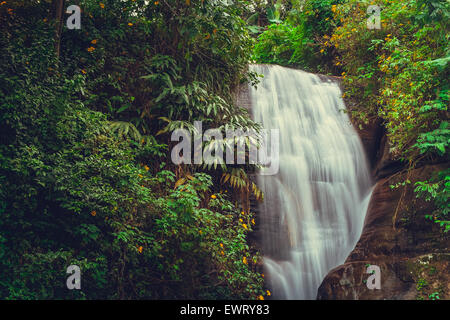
(314, 208)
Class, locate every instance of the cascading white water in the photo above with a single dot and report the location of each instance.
(314, 208)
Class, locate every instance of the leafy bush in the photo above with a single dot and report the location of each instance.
(438, 191)
(282, 44)
(294, 41)
(395, 71)
(84, 176)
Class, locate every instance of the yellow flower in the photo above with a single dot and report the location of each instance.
(240, 220)
(213, 196)
(260, 298)
(130, 24)
(245, 226)
(102, 5)
(222, 253)
(253, 221)
(242, 212)
(94, 41)
(200, 232)
(262, 275)
(140, 176)
(93, 213)
(244, 260)
(146, 168)
(90, 49)
(156, 3)
(140, 249)
(322, 50)
(83, 71)
(268, 293)
(221, 245)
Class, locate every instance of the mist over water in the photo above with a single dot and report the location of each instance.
(314, 208)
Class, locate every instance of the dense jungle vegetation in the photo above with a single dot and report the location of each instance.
(86, 115)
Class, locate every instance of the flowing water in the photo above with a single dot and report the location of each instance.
(314, 208)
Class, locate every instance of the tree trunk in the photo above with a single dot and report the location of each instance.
(58, 14)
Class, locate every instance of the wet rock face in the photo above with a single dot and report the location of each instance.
(385, 164)
(411, 252)
(376, 146)
(371, 135)
(242, 97)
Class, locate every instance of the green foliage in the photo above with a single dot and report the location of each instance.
(319, 16)
(84, 175)
(438, 191)
(433, 10)
(293, 42)
(421, 283)
(434, 296)
(399, 72)
(436, 141)
(283, 44)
